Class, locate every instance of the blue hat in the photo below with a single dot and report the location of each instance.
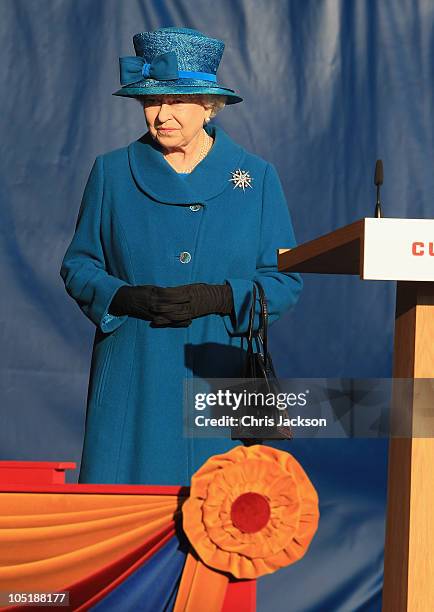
(173, 61)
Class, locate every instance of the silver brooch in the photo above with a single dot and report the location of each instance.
(241, 178)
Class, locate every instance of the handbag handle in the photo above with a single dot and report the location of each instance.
(251, 322)
(263, 330)
(263, 322)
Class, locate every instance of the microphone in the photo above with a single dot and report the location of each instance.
(378, 181)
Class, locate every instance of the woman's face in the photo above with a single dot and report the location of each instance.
(175, 120)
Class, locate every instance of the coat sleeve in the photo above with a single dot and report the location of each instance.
(83, 267)
(282, 289)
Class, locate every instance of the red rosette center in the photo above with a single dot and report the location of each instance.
(250, 512)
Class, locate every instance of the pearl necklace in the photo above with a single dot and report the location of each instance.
(206, 145)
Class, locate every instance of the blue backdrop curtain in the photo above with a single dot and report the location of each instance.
(329, 86)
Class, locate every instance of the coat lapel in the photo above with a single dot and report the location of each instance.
(161, 182)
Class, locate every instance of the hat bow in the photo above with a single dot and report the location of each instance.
(163, 67)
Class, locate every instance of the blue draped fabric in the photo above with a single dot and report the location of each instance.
(328, 88)
(152, 587)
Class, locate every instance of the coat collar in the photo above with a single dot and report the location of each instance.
(161, 182)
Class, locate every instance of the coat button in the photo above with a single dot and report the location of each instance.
(195, 207)
(185, 257)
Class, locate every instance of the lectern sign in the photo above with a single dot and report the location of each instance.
(398, 249)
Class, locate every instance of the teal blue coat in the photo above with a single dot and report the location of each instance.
(136, 218)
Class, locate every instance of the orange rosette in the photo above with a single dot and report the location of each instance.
(251, 511)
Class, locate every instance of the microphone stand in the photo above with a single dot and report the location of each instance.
(378, 181)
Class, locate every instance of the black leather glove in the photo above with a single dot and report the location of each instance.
(173, 304)
(139, 301)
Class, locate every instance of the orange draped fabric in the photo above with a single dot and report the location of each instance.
(201, 588)
(53, 540)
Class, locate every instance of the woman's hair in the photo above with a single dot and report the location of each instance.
(215, 102)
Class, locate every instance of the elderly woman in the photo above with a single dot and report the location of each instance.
(171, 234)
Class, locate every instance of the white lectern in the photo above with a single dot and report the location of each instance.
(401, 250)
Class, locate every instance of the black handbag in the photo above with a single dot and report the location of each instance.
(260, 378)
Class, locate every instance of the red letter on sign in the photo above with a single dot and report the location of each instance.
(417, 248)
(431, 249)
